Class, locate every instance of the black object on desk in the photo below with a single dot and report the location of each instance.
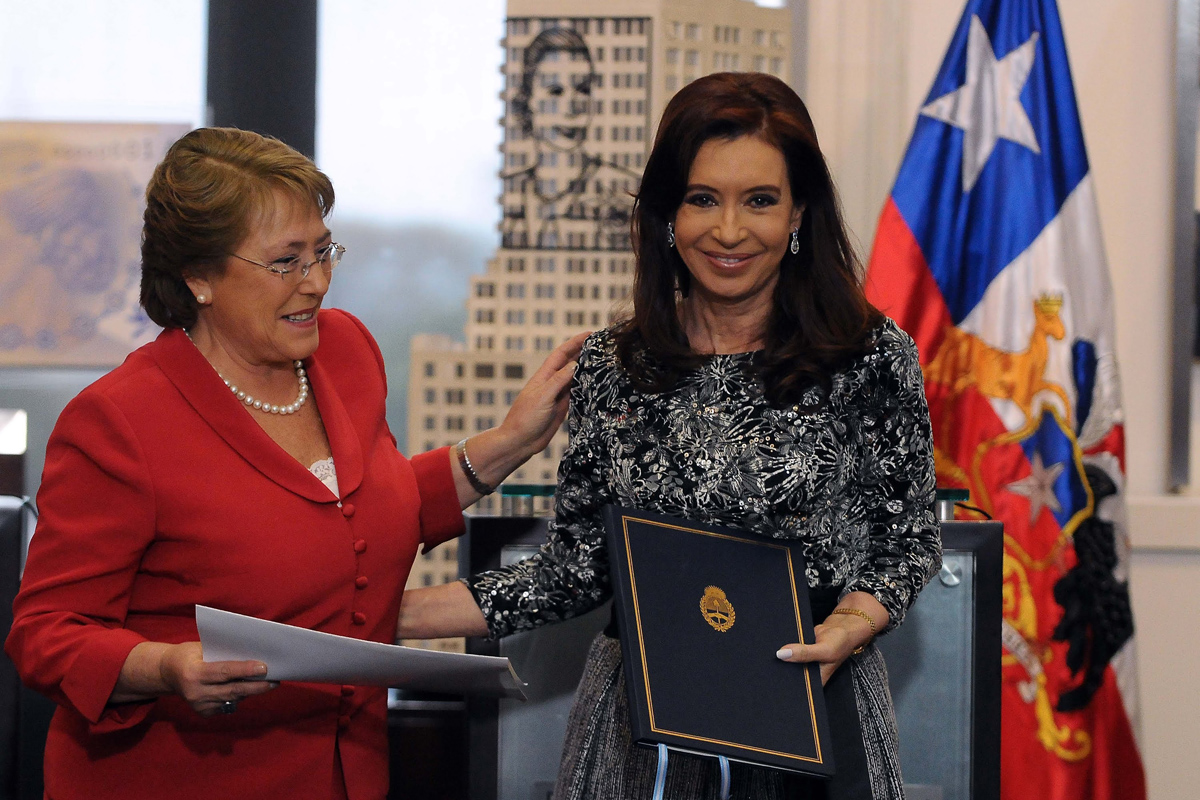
(515, 747)
(702, 610)
(944, 666)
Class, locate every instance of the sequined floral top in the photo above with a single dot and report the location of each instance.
(853, 480)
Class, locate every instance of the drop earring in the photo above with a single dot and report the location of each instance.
(795, 246)
(670, 234)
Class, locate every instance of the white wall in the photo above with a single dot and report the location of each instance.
(871, 63)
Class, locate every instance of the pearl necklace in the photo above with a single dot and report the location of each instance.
(259, 405)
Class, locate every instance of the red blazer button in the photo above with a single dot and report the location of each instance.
(360, 545)
(359, 618)
(348, 510)
(347, 691)
(361, 582)
(343, 722)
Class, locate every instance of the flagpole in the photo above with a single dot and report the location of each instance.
(1183, 333)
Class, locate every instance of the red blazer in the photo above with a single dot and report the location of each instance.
(160, 491)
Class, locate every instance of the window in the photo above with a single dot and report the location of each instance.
(485, 316)
(514, 317)
(454, 423)
(485, 370)
(514, 372)
(485, 397)
(544, 291)
(514, 343)
(543, 317)
(454, 397)
(693, 31)
(430, 424)
(430, 396)
(514, 290)
(776, 66)
(510, 397)
(691, 58)
(485, 289)
(430, 369)
(483, 423)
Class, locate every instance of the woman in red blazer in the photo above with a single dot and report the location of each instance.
(241, 461)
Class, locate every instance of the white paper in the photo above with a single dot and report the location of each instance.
(299, 654)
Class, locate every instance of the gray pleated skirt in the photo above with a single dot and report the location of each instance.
(601, 762)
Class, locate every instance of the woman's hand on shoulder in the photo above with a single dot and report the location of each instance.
(535, 416)
(541, 407)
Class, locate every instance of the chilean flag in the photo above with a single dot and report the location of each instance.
(989, 254)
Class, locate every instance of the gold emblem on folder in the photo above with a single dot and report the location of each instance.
(717, 610)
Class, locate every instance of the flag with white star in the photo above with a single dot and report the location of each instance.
(989, 254)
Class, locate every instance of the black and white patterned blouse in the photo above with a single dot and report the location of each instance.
(853, 480)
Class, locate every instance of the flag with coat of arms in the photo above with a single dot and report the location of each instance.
(988, 252)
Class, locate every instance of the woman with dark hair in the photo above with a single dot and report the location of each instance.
(242, 461)
(755, 387)
(554, 107)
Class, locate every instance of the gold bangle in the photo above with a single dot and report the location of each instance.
(858, 613)
(478, 485)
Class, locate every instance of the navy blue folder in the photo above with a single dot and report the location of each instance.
(701, 611)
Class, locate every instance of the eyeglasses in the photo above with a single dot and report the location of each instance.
(289, 266)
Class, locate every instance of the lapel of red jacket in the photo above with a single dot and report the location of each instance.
(208, 395)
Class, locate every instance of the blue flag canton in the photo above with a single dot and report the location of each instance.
(968, 237)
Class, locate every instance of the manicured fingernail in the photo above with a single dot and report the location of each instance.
(784, 653)
(261, 669)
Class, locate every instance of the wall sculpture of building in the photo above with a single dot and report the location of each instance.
(585, 83)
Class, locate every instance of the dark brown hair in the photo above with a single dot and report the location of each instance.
(212, 186)
(820, 317)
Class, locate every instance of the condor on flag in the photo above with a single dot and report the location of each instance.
(989, 254)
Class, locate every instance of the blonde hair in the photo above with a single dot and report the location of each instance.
(211, 187)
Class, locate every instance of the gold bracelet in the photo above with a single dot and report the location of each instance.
(858, 613)
(460, 450)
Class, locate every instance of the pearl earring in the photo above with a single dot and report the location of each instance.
(201, 299)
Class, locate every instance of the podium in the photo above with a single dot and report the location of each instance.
(944, 666)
